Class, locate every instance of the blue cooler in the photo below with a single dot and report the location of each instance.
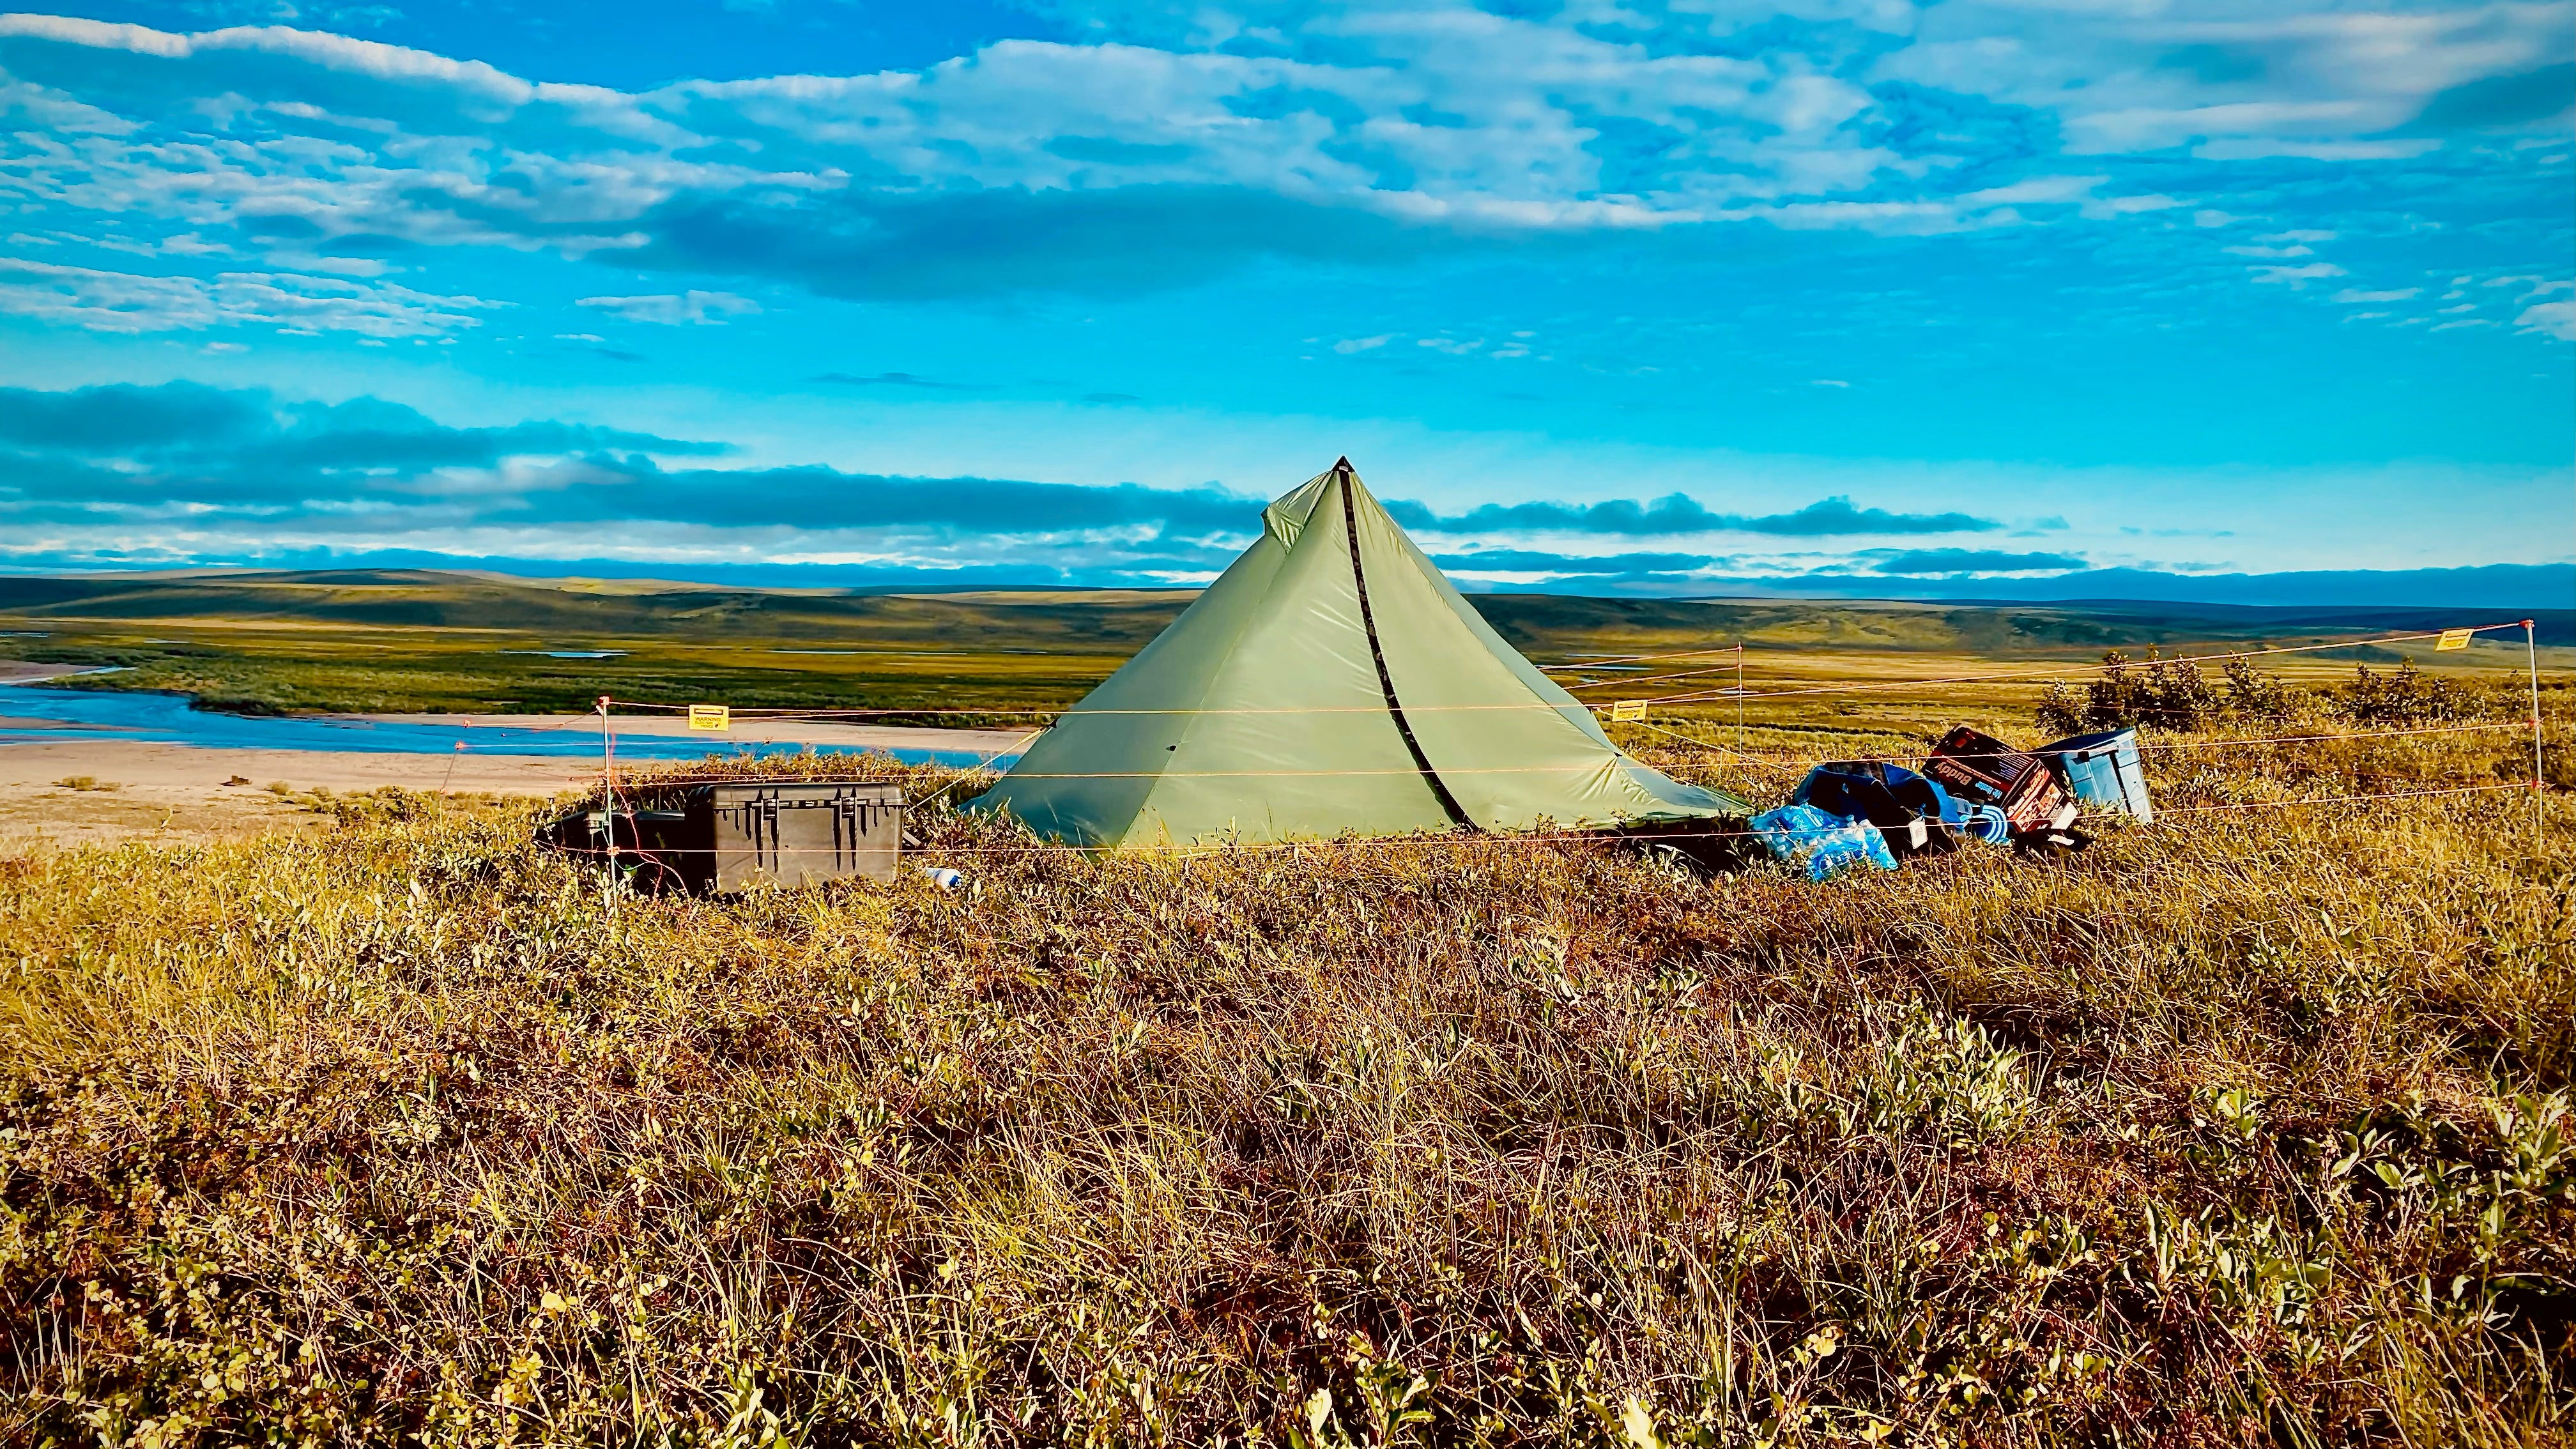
(2103, 769)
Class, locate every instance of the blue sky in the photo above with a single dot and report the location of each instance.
(1983, 298)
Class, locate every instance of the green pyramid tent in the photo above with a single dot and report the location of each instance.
(1330, 683)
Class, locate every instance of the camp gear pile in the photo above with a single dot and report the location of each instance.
(1974, 787)
(1331, 683)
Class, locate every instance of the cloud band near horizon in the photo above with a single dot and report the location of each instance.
(187, 458)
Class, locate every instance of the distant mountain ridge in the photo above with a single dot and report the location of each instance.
(2516, 588)
(1057, 617)
(2510, 587)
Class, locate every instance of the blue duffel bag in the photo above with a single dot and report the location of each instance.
(1915, 814)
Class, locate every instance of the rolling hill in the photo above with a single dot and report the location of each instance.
(1088, 621)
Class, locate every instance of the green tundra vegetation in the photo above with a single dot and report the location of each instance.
(2247, 1127)
(423, 641)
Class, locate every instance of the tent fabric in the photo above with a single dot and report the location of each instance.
(1330, 683)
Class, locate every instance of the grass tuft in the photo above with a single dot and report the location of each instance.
(2251, 1125)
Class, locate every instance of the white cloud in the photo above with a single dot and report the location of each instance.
(334, 52)
(2297, 276)
(2266, 148)
(337, 266)
(702, 309)
(48, 110)
(2110, 206)
(2551, 319)
(2150, 75)
(1902, 218)
(2536, 284)
(1764, 134)
(1830, 382)
(127, 302)
(2399, 294)
(1363, 344)
(2155, 128)
(1434, 116)
(2062, 190)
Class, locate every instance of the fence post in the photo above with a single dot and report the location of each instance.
(2531, 647)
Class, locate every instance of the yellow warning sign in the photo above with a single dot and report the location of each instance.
(2455, 639)
(710, 717)
(1628, 710)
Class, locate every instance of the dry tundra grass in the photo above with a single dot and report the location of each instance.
(2250, 1127)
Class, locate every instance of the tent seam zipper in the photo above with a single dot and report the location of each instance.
(1377, 655)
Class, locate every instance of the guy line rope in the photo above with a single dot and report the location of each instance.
(2144, 746)
(1468, 839)
(1687, 697)
(2046, 672)
(1193, 851)
(2530, 642)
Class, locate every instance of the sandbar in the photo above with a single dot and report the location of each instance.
(174, 793)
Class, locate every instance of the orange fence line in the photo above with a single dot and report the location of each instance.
(1660, 836)
(1686, 697)
(1582, 767)
(2053, 671)
(2144, 747)
(1587, 766)
(1379, 708)
(1463, 838)
(1635, 658)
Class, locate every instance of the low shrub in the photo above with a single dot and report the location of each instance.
(408, 1132)
(2175, 695)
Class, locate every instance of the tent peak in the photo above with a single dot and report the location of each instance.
(1342, 464)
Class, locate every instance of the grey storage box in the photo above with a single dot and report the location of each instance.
(790, 834)
(2103, 769)
(728, 838)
